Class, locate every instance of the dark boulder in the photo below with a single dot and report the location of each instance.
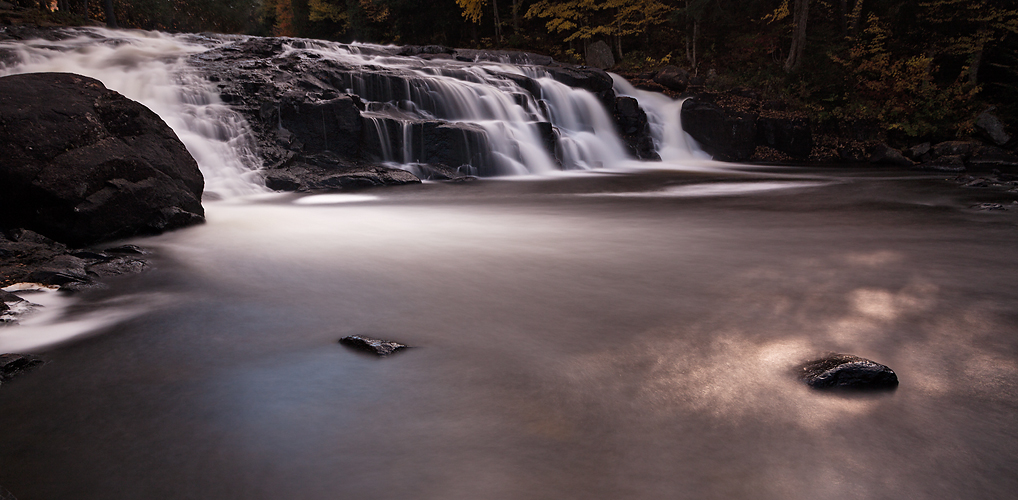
(84, 164)
(952, 163)
(885, 154)
(919, 152)
(992, 128)
(12, 365)
(672, 78)
(727, 136)
(793, 137)
(956, 148)
(987, 157)
(634, 128)
(592, 79)
(371, 345)
(599, 55)
(845, 371)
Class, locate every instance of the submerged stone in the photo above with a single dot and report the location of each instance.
(845, 371)
(12, 365)
(374, 346)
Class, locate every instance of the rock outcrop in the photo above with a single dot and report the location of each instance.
(84, 164)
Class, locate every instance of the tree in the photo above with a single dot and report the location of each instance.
(801, 16)
(587, 19)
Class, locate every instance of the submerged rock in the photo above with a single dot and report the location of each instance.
(845, 371)
(373, 346)
(12, 365)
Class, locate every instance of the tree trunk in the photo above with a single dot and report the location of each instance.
(111, 19)
(801, 15)
(498, 23)
(516, 16)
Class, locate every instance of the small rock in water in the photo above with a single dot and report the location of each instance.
(374, 346)
(990, 206)
(845, 371)
(12, 365)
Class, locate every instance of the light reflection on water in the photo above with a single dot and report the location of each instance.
(566, 346)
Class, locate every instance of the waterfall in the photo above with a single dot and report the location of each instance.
(151, 68)
(665, 117)
(508, 118)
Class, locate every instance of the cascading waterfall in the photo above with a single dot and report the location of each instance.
(507, 129)
(151, 68)
(665, 117)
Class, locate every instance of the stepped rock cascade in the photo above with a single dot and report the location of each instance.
(151, 68)
(252, 109)
(531, 123)
(665, 117)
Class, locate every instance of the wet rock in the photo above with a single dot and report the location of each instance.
(599, 55)
(84, 164)
(991, 156)
(634, 128)
(845, 371)
(992, 128)
(13, 365)
(126, 250)
(919, 152)
(793, 137)
(727, 136)
(885, 154)
(327, 172)
(372, 345)
(672, 78)
(944, 164)
(990, 206)
(956, 148)
(591, 79)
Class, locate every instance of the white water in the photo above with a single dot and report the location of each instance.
(151, 68)
(665, 117)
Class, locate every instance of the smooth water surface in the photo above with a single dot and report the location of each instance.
(605, 336)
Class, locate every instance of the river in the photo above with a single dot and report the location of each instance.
(627, 332)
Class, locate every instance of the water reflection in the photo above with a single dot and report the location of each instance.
(565, 346)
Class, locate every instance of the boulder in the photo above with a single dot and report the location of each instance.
(992, 157)
(951, 163)
(371, 345)
(991, 127)
(956, 148)
(793, 137)
(599, 55)
(84, 164)
(885, 154)
(634, 128)
(918, 152)
(672, 78)
(727, 136)
(845, 371)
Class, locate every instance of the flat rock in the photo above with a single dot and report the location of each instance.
(374, 346)
(845, 371)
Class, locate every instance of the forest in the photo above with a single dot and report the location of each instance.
(917, 69)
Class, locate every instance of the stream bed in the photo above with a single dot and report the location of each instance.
(625, 334)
